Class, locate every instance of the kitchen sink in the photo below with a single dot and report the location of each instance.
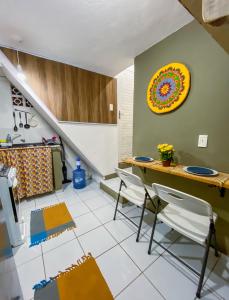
(23, 145)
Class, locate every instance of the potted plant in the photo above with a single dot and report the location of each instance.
(166, 154)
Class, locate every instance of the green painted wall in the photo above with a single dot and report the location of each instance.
(205, 111)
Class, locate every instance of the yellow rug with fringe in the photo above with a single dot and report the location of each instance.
(82, 281)
(49, 222)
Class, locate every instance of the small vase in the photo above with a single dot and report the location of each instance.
(166, 163)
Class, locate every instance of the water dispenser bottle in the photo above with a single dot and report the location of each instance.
(79, 176)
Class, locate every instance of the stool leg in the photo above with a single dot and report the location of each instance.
(215, 244)
(205, 259)
(142, 216)
(116, 207)
(154, 226)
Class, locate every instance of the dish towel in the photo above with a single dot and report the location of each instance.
(213, 10)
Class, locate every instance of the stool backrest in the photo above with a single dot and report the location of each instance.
(183, 200)
(129, 178)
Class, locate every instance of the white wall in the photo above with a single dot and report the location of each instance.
(6, 118)
(125, 94)
(97, 141)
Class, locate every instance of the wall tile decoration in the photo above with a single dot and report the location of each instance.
(18, 99)
(27, 103)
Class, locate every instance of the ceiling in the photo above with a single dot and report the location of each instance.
(103, 36)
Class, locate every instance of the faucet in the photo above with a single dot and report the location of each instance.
(15, 137)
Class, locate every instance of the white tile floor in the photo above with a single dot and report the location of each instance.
(129, 271)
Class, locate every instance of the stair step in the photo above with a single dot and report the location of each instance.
(114, 175)
(111, 187)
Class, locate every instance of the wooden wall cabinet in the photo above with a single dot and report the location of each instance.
(71, 93)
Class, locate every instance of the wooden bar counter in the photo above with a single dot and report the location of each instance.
(221, 180)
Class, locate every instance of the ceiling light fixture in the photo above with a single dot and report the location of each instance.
(20, 73)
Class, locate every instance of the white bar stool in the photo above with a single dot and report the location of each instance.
(190, 216)
(133, 189)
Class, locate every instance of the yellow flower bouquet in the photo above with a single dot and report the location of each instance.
(166, 153)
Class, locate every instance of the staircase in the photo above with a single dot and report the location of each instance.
(111, 186)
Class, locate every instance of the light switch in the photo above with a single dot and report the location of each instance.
(203, 141)
(111, 107)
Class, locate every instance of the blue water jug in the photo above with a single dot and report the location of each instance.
(79, 176)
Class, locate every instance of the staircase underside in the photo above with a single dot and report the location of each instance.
(95, 161)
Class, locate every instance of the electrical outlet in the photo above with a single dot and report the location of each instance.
(111, 107)
(203, 141)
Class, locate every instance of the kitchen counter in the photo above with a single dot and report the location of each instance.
(26, 145)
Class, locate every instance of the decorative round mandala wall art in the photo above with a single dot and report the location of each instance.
(168, 88)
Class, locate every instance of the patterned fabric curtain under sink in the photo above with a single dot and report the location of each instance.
(34, 169)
